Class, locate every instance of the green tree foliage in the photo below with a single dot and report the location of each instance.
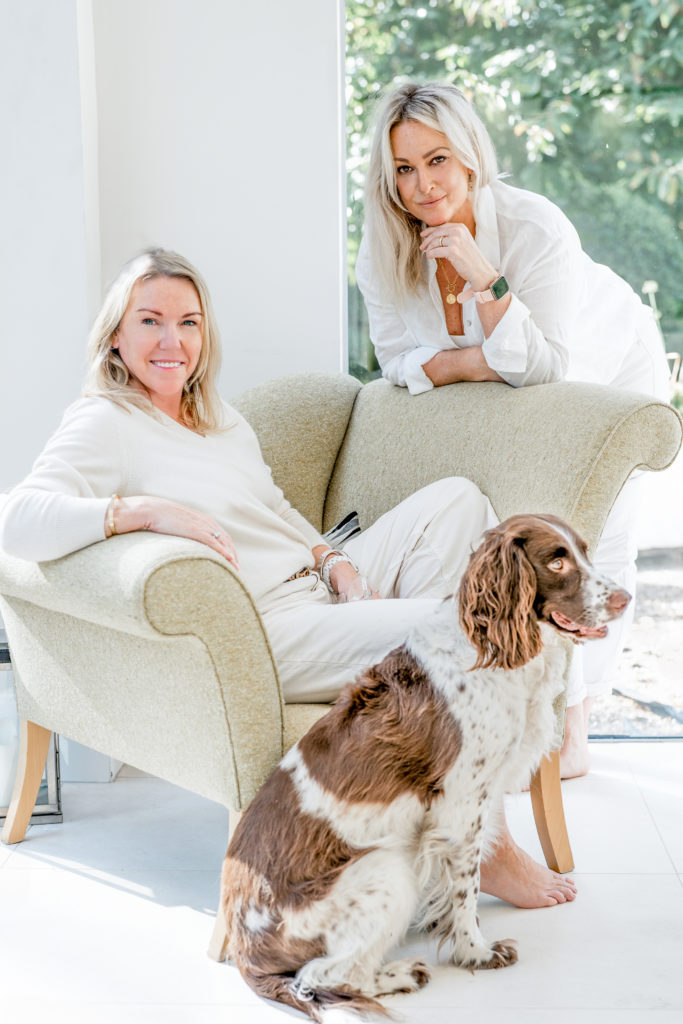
(583, 101)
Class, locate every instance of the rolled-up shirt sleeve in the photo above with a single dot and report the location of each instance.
(399, 352)
(520, 353)
(407, 369)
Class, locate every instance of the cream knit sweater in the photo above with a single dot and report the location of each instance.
(102, 449)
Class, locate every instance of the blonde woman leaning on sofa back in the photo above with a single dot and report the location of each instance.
(441, 231)
(466, 278)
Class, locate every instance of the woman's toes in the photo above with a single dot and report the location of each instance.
(563, 893)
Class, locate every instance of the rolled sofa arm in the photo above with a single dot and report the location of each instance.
(150, 648)
(103, 583)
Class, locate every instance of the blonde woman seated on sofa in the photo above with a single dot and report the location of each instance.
(151, 446)
(440, 232)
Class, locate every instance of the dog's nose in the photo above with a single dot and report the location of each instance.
(618, 600)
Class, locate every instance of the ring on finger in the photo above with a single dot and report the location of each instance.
(441, 241)
(216, 536)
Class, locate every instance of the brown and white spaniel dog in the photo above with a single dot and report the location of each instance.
(376, 818)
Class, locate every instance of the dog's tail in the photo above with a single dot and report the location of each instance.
(283, 988)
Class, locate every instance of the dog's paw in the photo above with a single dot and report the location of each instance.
(503, 954)
(401, 976)
(499, 954)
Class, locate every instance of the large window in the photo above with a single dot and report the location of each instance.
(583, 102)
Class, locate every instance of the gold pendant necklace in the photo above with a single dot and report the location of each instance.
(451, 286)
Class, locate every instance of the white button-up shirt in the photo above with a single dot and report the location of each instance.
(569, 318)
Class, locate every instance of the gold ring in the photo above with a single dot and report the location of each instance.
(441, 241)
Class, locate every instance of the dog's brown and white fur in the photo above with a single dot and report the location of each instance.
(377, 817)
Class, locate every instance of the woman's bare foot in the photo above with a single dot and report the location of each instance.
(512, 875)
(574, 756)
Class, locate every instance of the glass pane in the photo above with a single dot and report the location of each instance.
(584, 103)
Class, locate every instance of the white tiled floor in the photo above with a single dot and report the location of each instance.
(105, 919)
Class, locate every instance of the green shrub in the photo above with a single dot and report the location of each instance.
(637, 238)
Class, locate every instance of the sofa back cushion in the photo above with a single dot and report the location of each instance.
(300, 421)
(529, 449)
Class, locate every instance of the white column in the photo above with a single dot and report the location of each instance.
(45, 275)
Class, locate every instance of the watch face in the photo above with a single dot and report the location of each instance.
(500, 288)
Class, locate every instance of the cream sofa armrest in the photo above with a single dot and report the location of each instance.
(192, 597)
(103, 583)
(157, 655)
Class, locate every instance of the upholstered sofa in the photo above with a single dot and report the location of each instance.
(149, 648)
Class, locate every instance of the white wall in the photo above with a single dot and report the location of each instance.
(213, 127)
(221, 137)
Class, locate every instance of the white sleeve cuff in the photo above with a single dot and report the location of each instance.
(414, 377)
(506, 349)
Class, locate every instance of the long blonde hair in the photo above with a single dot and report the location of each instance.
(109, 377)
(392, 233)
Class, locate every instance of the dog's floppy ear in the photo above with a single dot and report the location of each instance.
(363, 694)
(497, 596)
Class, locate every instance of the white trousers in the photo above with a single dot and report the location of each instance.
(413, 556)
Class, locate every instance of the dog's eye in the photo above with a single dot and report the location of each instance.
(557, 564)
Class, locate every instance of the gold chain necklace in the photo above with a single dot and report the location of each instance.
(451, 286)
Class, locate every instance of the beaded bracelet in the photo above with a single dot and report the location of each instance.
(326, 563)
(111, 514)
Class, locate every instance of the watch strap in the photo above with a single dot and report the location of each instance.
(496, 290)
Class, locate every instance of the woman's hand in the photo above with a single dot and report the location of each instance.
(161, 516)
(349, 585)
(454, 242)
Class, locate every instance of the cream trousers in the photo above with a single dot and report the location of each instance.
(415, 553)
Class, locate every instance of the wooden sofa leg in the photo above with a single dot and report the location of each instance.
(218, 946)
(33, 743)
(546, 800)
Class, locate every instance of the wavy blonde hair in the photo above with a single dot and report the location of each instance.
(392, 233)
(109, 377)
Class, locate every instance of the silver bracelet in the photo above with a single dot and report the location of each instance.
(327, 562)
(323, 558)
